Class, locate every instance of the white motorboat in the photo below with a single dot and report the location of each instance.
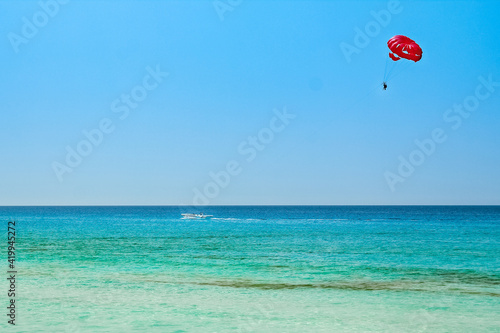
(195, 216)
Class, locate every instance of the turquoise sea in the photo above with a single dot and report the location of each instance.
(255, 269)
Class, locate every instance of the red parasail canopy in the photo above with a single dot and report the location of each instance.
(404, 47)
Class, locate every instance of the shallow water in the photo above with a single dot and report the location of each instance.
(264, 269)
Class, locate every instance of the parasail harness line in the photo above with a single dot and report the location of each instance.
(384, 82)
(389, 70)
(393, 73)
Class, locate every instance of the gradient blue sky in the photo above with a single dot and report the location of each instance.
(225, 79)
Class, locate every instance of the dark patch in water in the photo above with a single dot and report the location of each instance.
(397, 286)
(361, 286)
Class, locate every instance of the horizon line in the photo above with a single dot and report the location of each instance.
(260, 205)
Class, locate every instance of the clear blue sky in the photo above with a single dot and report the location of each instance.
(229, 66)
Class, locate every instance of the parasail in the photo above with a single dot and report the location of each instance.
(401, 47)
(404, 47)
